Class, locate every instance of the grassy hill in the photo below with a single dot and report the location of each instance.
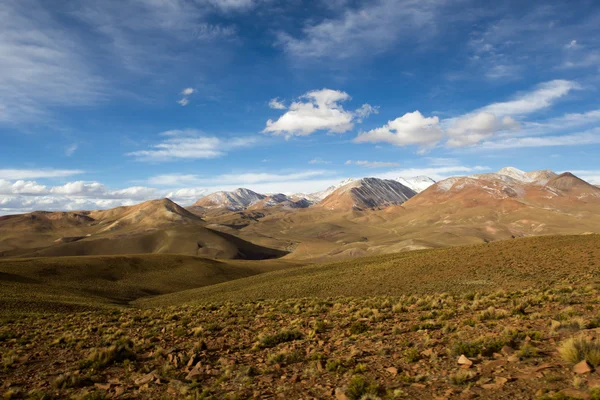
(80, 283)
(510, 264)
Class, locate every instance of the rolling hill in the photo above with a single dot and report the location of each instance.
(157, 226)
(79, 283)
(509, 264)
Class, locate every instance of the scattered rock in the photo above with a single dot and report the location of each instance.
(146, 378)
(463, 360)
(582, 368)
(392, 370)
(340, 394)
(195, 372)
(102, 386)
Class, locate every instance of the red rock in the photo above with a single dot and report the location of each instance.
(582, 368)
(463, 360)
(144, 380)
(102, 386)
(340, 394)
(195, 372)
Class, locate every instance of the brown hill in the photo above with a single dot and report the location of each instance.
(574, 186)
(455, 211)
(156, 226)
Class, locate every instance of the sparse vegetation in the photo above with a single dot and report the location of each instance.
(580, 348)
(384, 347)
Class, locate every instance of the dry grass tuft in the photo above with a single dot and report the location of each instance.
(580, 348)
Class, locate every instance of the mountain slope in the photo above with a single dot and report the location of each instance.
(367, 193)
(237, 200)
(157, 226)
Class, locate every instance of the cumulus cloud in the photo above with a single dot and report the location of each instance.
(186, 93)
(477, 126)
(318, 110)
(373, 164)
(190, 144)
(473, 129)
(276, 104)
(410, 129)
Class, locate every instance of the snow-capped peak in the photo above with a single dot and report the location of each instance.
(515, 174)
(416, 183)
(236, 200)
(321, 195)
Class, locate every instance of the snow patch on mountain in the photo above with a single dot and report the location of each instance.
(318, 196)
(236, 200)
(416, 183)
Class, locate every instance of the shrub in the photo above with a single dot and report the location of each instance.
(468, 348)
(462, 377)
(280, 337)
(118, 352)
(359, 387)
(580, 348)
(358, 327)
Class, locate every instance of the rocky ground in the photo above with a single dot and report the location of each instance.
(532, 344)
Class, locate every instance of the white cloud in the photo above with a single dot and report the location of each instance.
(276, 104)
(410, 129)
(472, 129)
(37, 173)
(188, 91)
(364, 111)
(42, 65)
(572, 45)
(190, 144)
(371, 29)
(320, 110)
(79, 188)
(476, 126)
(319, 161)
(373, 164)
(71, 149)
(543, 96)
(20, 187)
(576, 139)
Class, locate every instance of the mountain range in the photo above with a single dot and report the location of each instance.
(356, 217)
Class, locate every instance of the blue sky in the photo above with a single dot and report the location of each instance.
(115, 102)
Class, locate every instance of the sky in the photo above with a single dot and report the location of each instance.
(116, 102)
